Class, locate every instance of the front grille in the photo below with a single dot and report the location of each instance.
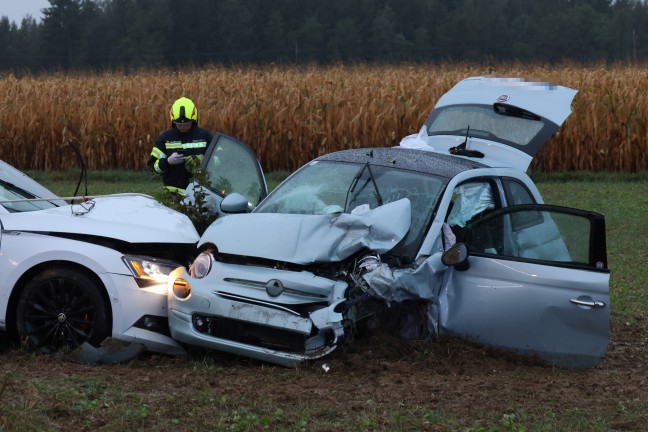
(250, 333)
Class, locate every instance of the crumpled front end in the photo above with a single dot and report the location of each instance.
(287, 316)
(273, 315)
(298, 295)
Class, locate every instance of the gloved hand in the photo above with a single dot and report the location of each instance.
(175, 159)
(193, 162)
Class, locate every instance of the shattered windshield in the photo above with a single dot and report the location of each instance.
(323, 187)
(497, 123)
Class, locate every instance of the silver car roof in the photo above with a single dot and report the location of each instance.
(403, 158)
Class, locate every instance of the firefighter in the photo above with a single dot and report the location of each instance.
(177, 145)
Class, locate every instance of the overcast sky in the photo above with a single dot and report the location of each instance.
(17, 9)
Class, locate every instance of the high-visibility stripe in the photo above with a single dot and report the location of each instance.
(199, 144)
(191, 145)
(173, 145)
(176, 189)
(157, 153)
(156, 165)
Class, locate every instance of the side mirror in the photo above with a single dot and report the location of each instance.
(456, 256)
(234, 203)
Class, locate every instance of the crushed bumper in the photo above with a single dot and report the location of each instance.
(233, 310)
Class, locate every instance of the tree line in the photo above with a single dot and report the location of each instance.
(108, 34)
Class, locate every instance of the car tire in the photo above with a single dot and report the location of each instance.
(60, 309)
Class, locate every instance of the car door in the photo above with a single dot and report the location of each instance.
(231, 166)
(536, 283)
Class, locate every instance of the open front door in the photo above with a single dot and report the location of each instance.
(537, 283)
(231, 166)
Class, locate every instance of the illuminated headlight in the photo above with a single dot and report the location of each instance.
(201, 265)
(149, 271)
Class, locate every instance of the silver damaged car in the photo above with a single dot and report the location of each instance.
(444, 234)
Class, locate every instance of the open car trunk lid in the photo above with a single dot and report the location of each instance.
(500, 121)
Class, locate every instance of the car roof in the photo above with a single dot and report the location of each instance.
(424, 161)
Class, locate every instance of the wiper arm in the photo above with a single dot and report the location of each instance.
(513, 111)
(354, 183)
(28, 196)
(373, 180)
(15, 188)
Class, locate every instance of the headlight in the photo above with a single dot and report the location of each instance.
(201, 265)
(149, 271)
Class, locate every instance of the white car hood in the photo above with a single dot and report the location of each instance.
(135, 219)
(305, 239)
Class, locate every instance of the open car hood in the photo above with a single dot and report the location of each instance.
(503, 121)
(134, 219)
(306, 239)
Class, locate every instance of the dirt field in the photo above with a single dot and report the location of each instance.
(450, 378)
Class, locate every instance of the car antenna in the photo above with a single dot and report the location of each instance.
(461, 149)
(463, 144)
(83, 175)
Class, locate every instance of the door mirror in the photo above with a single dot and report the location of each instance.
(456, 256)
(234, 203)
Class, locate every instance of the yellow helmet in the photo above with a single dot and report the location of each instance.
(184, 110)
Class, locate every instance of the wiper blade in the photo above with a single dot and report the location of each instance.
(373, 180)
(25, 193)
(513, 111)
(354, 183)
(15, 188)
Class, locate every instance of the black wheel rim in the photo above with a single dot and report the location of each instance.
(59, 315)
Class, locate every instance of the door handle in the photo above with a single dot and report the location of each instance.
(588, 303)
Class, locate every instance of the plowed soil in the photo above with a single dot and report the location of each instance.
(463, 381)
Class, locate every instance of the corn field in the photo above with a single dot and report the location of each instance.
(289, 115)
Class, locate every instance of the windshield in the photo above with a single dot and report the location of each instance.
(497, 123)
(16, 186)
(331, 187)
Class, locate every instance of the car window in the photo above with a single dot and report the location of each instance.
(231, 167)
(517, 193)
(532, 234)
(328, 187)
(484, 122)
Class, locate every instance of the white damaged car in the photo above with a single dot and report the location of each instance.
(442, 235)
(81, 272)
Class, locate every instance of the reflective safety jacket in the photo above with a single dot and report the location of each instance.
(192, 143)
